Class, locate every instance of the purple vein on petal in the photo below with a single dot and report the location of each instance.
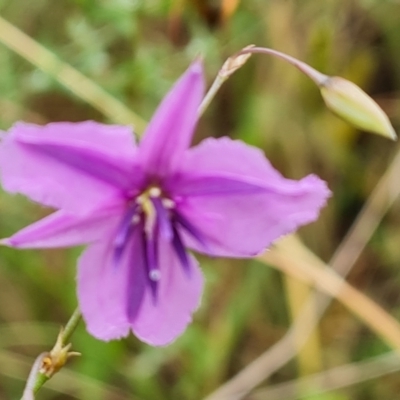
(163, 219)
(181, 251)
(124, 232)
(206, 185)
(83, 159)
(191, 229)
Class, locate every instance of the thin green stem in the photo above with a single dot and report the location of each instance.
(231, 65)
(317, 77)
(41, 379)
(219, 80)
(71, 326)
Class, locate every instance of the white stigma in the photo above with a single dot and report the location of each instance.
(155, 275)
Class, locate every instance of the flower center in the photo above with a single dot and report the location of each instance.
(153, 218)
(153, 205)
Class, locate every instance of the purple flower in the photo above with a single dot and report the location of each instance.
(140, 207)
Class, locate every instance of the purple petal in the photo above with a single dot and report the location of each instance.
(102, 290)
(229, 157)
(112, 139)
(112, 300)
(191, 230)
(170, 131)
(241, 224)
(178, 296)
(86, 161)
(214, 184)
(138, 277)
(100, 151)
(61, 229)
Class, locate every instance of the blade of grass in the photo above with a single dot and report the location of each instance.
(76, 82)
(301, 264)
(331, 379)
(309, 356)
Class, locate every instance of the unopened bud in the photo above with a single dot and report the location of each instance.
(353, 105)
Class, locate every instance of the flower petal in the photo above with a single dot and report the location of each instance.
(170, 131)
(159, 323)
(228, 156)
(102, 290)
(62, 229)
(240, 222)
(214, 184)
(77, 167)
(112, 139)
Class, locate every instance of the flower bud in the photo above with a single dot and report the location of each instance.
(353, 105)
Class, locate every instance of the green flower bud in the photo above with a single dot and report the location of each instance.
(353, 105)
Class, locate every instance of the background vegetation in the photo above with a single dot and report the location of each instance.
(135, 50)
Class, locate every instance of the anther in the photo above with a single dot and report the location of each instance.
(168, 203)
(154, 192)
(139, 200)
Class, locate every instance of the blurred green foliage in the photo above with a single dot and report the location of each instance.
(135, 50)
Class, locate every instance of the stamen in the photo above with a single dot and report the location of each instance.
(150, 216)
(124, 232)
(181, 252)
(155, 192)
(168, 203)
(163, 219)
(150, 244)
(155, 220)
(140, 199)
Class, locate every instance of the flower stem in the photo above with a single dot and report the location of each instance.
(219, 80)
(48, 363)
(232, 64)
(317, 77)
(236, 61)
(71, 326)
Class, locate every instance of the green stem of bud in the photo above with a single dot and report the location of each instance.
(317, 77)
(342, 97)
